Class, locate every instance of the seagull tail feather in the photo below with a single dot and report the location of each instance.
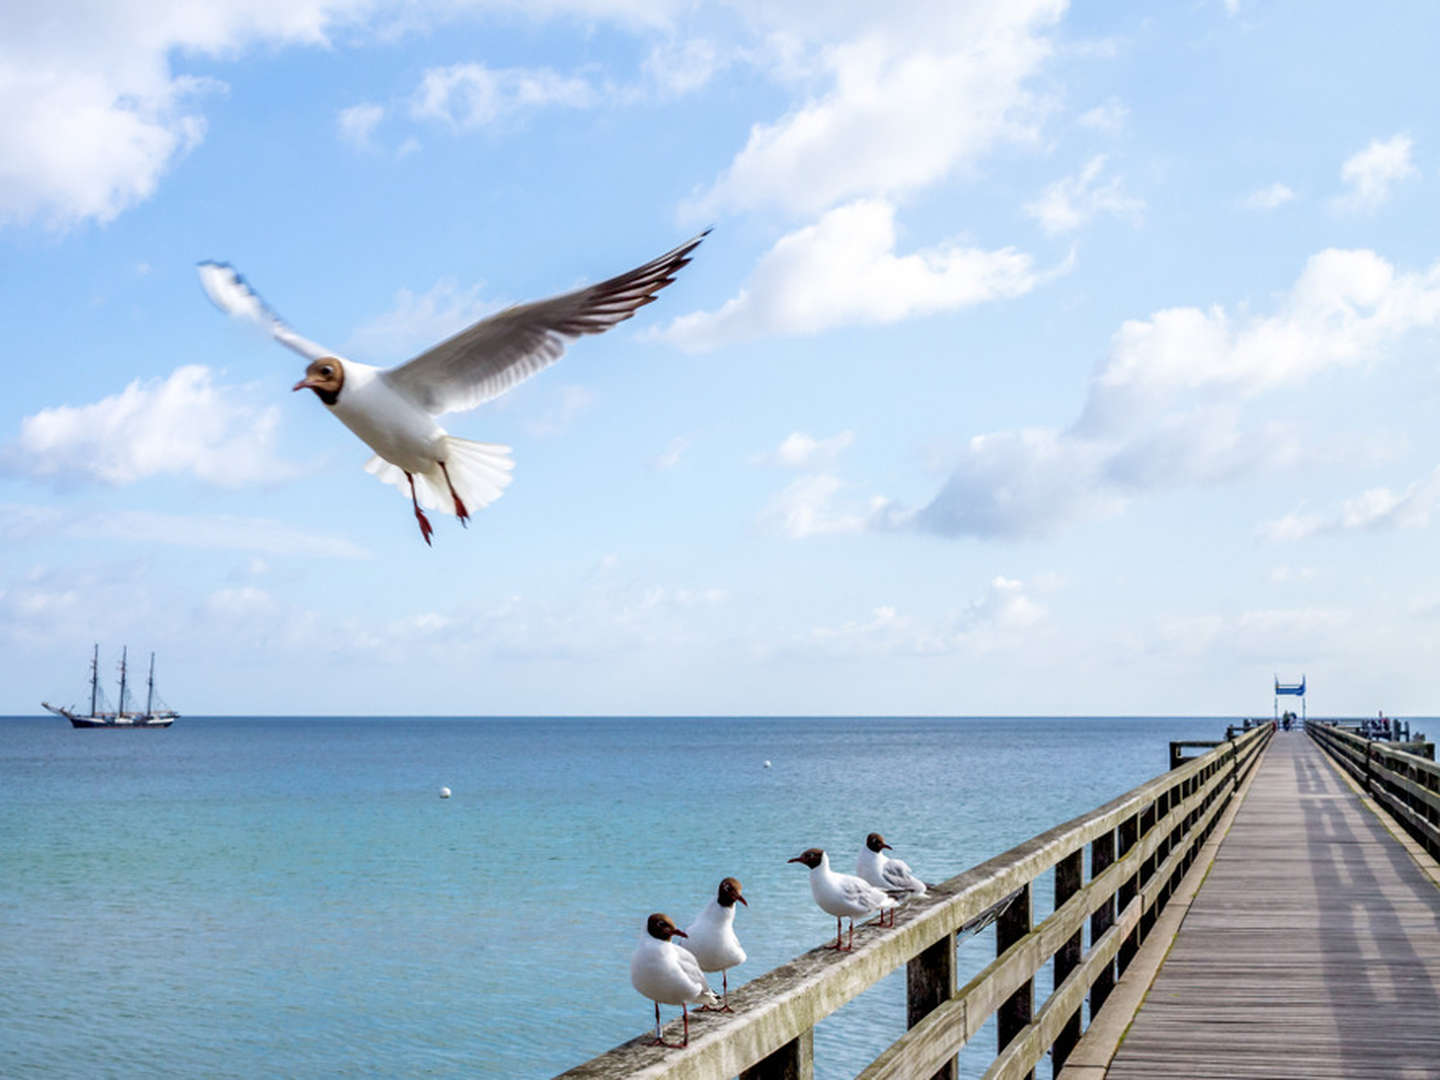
(479, 471)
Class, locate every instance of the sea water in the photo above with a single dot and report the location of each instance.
(256, 897)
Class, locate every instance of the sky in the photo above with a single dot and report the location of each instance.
(1043, 359)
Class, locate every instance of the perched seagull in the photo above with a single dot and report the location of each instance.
(392, 410)
(841, 895)
(886, 873)
(711, 937)
(666, 973)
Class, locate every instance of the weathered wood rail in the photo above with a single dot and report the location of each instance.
(1140, 846)
(1405, 784)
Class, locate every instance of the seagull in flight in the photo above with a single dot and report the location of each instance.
(393, 410)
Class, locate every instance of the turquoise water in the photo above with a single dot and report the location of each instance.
(290, 897)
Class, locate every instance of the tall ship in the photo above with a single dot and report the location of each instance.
(156, 714)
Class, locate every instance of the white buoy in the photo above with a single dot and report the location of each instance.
(767, 763)
(444, 792)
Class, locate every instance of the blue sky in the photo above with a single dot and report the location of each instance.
(1042, 359)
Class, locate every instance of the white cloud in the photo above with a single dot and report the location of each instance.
(1269, 198)
(215, 532)
(844, 271)
(799, 450)
(806, 508)
(1251, 636)
(92, 112)
(420, 320)
(1375, 510)
(1025, 483)
(1168, 407)
(1371, 174)
(1001, 617)
(1074, 201)
(673, 453)
(181, 425)
(682, 67)
(95, 107)
(1108, 117)
(472, 95)
(1342, 309)
(886, 120)
(357, 125)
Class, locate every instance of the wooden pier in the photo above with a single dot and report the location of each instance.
(1312, 950)
(1308, 940)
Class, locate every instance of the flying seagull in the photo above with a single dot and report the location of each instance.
(393, 410)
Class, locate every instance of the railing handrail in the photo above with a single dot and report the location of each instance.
(778, 1010)
(1405, 784)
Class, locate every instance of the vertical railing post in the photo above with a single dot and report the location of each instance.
(1126, 834)
(1018, 1009)
(1102, 855)
(793, 1061)
(929, 983)
(1148, 818)
(1069, 875)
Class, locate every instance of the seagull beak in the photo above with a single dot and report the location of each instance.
(303, 384)
(796, 859)
(886, 847)
(679, 933)
(742, 899)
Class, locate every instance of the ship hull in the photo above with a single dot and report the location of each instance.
(76, 720)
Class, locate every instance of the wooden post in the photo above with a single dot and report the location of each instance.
(1018, 1009)
(930, 982)
(1069, 874)
(1102, 855)
(793, 1061)
(1126, 834)
(1148, 818)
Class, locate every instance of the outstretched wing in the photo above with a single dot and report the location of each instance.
(485, 360)
(233, 295)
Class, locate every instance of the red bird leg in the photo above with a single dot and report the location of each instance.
(660, 1040)
(426, 530)
(850, 941)
(460, 511)
(725, 992)
(685, 1012)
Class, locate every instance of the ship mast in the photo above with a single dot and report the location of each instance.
(94, 677)
(150, 689)
(120, 710)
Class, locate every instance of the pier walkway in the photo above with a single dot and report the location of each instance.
(1311, 950)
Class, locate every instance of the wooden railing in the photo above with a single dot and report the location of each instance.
(1140, 846)
(1405, 784)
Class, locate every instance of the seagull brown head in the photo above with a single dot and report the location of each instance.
(325, 376)
(876, 843)
(810, 857)
(660, 926)
(730, 892)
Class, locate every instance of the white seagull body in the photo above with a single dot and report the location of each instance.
(711, 937)
(666, 974)
(393, 410)
(842, 895)
(892, 875)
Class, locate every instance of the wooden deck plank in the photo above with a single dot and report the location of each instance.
(1312, 949)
